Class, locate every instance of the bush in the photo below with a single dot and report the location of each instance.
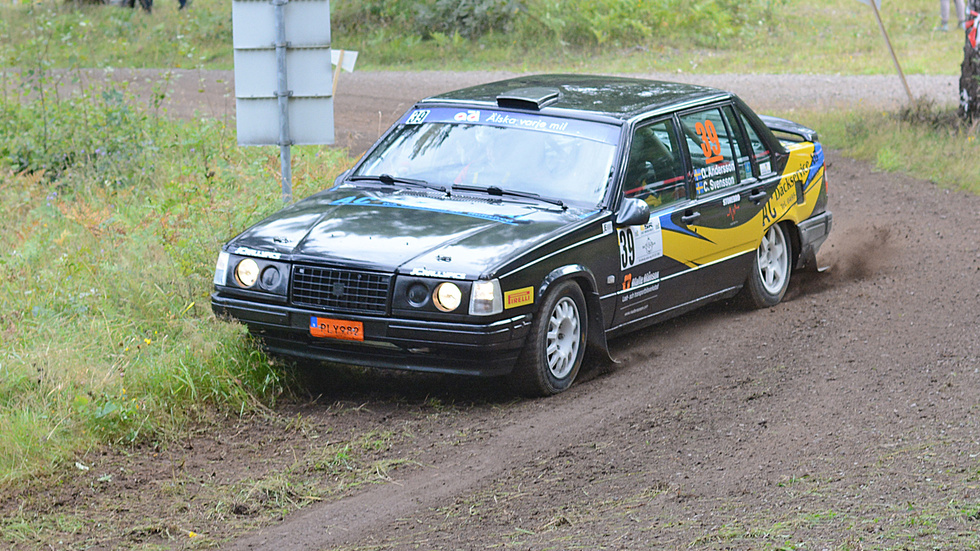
(96, 136)
(567, 22)
(468, 18)
(624, 22)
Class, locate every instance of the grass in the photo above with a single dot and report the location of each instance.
(922, 140)
(617, 36)
(114, 219)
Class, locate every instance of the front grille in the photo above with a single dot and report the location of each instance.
(344, 290)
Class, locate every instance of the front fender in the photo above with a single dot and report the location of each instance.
(586, 280)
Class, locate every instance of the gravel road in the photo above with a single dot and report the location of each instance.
(368, 102)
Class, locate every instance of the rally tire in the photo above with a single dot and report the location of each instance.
(771, 266)
(555, 346)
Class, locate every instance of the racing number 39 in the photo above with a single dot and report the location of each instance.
(627, 249)
(710, 145)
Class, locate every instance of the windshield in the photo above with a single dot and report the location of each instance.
(548, 156)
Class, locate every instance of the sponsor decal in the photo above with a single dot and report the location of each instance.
(518, 297)
(639, 293)
(639, 244)
(525, 122)
(424, 272)
(245, 251)
(418, 117)
(605, 133)
(639, 281)
(650, 282)
(731, 200)
(467, 116)
(606, 228)
(635, 311)
(765, 168)
(732, 212)
(785, 194)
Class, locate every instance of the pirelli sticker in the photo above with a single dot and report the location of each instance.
(518, 297)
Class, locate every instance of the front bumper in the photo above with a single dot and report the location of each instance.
(391, 343)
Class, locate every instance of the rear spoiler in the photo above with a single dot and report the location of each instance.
(789, 130)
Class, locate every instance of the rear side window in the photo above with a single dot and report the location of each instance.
(760, 152)
(713, 150)
(655, 170)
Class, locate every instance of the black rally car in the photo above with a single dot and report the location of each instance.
(505, 228)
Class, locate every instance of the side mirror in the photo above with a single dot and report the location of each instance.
(633, 212)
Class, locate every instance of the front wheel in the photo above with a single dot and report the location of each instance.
(769, 277)
(555, 346)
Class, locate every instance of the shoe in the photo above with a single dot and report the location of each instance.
(942, 27)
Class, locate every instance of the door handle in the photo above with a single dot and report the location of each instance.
(757, 196)
(690, 217)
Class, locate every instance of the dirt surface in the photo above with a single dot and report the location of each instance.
(843, 418)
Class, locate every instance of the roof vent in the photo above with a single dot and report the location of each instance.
(528, 98)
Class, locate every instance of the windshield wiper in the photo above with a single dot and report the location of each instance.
(498, 192)
(388, 180)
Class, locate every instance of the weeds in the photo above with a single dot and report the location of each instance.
(923, 139)
(114, 218)
(621, 36)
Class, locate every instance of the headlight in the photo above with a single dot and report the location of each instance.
(221, 269)
(485, 298)
(447, 296)
(247, 272)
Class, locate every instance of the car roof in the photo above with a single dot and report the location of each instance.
(602, 97)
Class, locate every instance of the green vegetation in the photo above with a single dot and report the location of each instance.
(114, 217)
(923, 140)
(628, 36)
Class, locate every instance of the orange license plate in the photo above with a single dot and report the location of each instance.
(336, 329)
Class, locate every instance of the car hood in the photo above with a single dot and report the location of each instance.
(463, 236)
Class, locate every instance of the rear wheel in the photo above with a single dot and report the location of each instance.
(769, 277)
(553, 353)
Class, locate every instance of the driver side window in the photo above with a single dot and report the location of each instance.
(655, 171)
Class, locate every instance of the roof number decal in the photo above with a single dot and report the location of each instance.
(418, 117)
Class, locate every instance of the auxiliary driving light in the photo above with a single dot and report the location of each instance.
(447, 296)
(247, 272)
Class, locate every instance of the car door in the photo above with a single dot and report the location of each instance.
(723, 229)
(656, 173)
